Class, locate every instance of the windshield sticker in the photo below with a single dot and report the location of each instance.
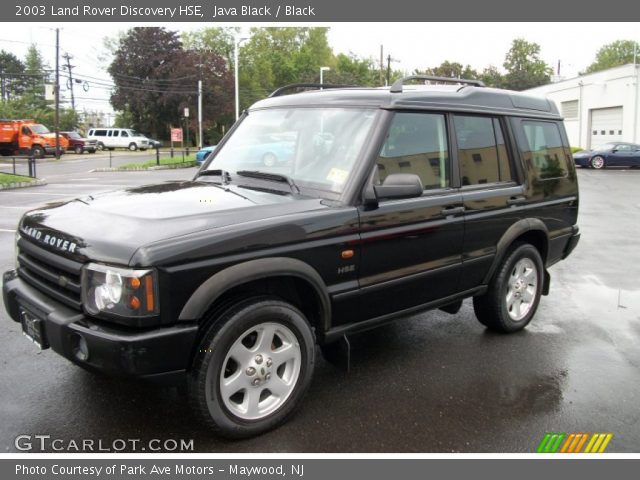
(337, 175)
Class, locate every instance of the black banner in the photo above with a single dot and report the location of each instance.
(296, 11)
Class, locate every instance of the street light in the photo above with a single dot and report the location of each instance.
(322, 70)
(236, 45)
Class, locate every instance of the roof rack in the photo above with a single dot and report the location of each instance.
(398, 84)
(279, 91)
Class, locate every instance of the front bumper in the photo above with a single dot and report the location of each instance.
(582, 161)
(161, 353)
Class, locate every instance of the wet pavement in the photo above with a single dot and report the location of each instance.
(432, 382)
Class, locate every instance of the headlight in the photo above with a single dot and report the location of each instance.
(119, 291)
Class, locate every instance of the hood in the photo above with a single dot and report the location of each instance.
(110, 227)
(51, 138)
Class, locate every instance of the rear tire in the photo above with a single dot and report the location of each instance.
(100, 146)
(252, 367)
(514, 291)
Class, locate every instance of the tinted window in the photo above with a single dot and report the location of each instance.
(417, 143)
(544, 150)
(124, 134)
(100, 133)
(481, 150)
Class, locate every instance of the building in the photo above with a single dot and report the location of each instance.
(599, 107)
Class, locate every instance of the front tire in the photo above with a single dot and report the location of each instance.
(597, 162)
(78, 149)
(133, 147)
(37, 151)
(252, 368)
(514, 291)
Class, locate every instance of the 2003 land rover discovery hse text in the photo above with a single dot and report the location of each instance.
(394, 200)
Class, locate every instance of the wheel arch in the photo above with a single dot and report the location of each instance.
(531, 230)
(288, 278)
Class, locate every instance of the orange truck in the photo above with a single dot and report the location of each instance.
(26, 137)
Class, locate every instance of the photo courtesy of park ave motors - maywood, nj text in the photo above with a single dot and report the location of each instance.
(317, 238)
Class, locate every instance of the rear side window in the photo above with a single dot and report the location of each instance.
(482, 151)
(544, 150)
(417, 143)
(100, 133)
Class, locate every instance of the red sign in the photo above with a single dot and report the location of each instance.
(176, 135)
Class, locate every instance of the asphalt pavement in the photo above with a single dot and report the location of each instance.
(432, 382)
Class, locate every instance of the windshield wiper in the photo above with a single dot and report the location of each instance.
(274, 177)
(223, 174)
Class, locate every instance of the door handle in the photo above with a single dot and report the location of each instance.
(516, 200)
(452, 210)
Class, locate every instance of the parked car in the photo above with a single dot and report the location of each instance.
(154, 143)
(201, 155)
(112, 138)
(615, 154)
(395, 200)
(79, 144)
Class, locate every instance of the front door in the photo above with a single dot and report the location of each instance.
(411, 248)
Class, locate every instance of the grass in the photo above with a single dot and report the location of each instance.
(175, 162)
(7, 178)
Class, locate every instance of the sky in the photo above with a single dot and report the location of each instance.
(411, 45)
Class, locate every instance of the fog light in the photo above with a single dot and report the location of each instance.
(80, 348)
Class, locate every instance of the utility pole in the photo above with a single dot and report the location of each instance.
(388, 69)
(200, 114)
(68, 58)
(2, 84)
(57, 94)
(381, 65)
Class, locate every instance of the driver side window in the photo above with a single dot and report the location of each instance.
(417, 143)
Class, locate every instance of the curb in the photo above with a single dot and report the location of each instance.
(13, 186)
(143, 169)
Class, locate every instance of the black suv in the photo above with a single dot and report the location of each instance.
(382, 202)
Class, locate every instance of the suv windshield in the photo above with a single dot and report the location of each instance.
(40, 129)
(315, 147)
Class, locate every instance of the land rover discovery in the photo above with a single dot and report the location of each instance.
(394, 200)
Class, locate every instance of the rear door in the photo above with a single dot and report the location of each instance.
(488, 188)
(411, 248)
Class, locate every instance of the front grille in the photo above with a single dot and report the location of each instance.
(53, 275)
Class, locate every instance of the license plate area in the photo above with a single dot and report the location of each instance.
(33, 328)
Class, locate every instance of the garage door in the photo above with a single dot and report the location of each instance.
(606, 126)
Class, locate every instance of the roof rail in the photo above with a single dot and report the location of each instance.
(398, 84)
(279, 91)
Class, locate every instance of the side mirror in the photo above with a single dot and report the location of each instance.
(399, 185)
(614, 150)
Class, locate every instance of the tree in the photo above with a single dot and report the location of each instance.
(492, 77)
(11, 75)
(614, 54)
(274, 57)
(155, 78)
(213, 39)
(450, 70)
(525, 68)
(37, 75)
(353, 70)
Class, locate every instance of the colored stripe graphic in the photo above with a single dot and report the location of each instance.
(554, 442)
